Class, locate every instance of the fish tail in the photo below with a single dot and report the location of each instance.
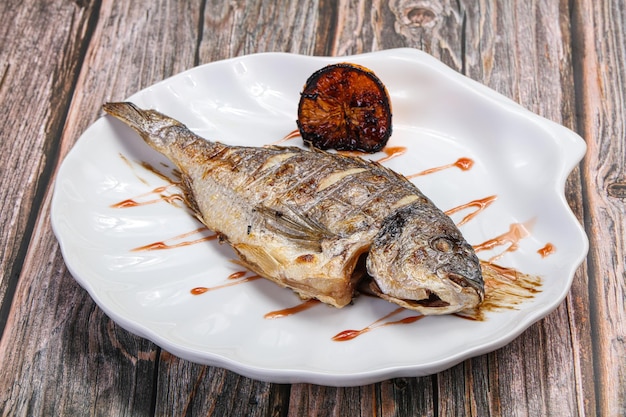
(151, 125)
(124, 111)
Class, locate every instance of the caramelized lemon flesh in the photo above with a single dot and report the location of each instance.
(345, 107)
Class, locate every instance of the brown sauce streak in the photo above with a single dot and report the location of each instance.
(128, 203)
(292, 310)
(517, 232)
(547, 250)
(479, 205)
(164, 245)
(352, 153)
(464, 164)
(133, 202)
(132, 167)
(161, 175)
(505, 289)
(351, 334)
(202, 290)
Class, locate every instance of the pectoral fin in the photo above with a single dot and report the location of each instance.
(257, 259)
(301, 229)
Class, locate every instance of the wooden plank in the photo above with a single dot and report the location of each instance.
(238, 28)
(190, 389)
(60, 355)
(38, 66)
(40, 63)
(316, 400)
(599, 29)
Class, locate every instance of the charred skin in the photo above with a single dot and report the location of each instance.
(303, 218)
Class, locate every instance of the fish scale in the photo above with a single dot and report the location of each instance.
(305, 218)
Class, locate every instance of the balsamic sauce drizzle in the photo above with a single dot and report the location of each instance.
(516, 232)
(165, 245)
(479, 205)
(238, 276)
(305, 305)
(351, 334)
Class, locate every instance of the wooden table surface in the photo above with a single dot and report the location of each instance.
(60, 60)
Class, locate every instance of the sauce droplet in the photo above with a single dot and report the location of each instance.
(547, 250)
(199, 290)
(125, 204)
(348, 335)
(464, 164)
(237, 275)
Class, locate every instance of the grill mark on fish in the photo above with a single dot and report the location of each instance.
(336, 177)
(305, 218)
(347, 212)
(405, 201)
(274, 161)
(287, 176)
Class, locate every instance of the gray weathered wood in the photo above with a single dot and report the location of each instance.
(599, 32)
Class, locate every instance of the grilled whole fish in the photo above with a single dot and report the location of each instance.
(304, 218)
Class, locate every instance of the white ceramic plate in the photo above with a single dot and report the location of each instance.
(439, 116)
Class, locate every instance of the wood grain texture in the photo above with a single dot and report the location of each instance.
(61, 355)
(243, 27)
(102, 369)
(600, 34)
(38, 64)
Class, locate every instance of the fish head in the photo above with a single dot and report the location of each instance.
(420, 260)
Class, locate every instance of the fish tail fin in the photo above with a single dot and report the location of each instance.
(150, 124)
(126, 111)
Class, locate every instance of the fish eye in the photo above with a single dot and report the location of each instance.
(442, 244)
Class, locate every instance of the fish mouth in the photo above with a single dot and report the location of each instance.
(449, 296)
(442, 291)
(432, 305)
(465, 282)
